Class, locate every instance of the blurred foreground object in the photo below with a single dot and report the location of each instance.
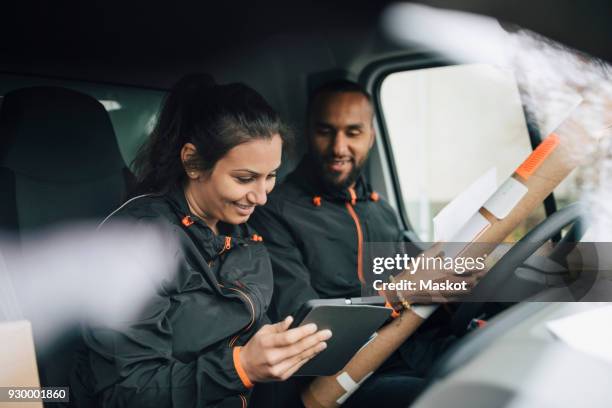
(74, 274)
(67, 276)
(551, 78)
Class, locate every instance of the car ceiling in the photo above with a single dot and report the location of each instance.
(151, 43)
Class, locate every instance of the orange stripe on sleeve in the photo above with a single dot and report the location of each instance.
(538, 156)
(241, 373)
(353, 196)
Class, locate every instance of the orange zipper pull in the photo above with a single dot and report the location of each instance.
(353, 196)
(187, 221)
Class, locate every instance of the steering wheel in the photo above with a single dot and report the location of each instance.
(503, 271)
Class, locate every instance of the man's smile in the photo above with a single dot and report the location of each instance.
(339, 165)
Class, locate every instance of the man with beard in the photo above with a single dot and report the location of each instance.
(315, 224)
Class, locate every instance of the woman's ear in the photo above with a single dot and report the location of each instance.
(188, 153)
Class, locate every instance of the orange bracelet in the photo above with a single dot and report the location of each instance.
(241, 373)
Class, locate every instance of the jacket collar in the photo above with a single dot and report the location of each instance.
(306, 176)
(229, 235)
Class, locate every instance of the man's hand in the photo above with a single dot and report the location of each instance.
(275, 353)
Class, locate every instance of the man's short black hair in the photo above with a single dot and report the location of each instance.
(340, 86)
(337, 86)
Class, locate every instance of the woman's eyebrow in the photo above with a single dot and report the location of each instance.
(254, 173)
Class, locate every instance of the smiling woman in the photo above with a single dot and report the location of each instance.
(202, 341)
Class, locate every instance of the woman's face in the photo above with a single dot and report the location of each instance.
(238, 182)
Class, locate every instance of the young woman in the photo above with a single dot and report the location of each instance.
(203, 340)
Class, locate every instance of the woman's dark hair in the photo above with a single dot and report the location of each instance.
(215, 118)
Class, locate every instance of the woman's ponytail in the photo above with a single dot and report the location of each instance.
(157, 165)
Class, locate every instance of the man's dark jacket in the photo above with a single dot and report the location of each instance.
(316, 235)
(180, 351)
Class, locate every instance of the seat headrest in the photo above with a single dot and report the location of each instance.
(56, 134)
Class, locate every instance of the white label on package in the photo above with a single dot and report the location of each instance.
(423, 311)
(470, 231)
(506, 198)
(449, 221)
(349, 385)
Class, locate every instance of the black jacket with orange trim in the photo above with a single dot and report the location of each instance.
(181, 351)
(315, 237)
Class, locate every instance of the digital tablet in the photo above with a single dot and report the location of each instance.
(352, 322)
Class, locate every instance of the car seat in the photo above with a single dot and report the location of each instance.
(59, 162)
(59, 159)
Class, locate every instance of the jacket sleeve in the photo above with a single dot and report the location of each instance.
(133, 366)
(292, 286)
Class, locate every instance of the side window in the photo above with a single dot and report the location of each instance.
(446, 127)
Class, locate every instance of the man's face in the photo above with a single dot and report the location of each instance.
(341, 135)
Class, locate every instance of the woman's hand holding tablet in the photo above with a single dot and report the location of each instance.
(276, 352)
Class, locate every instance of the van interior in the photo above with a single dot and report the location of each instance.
(440, 123)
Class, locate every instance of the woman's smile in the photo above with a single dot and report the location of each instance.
(244, 209)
